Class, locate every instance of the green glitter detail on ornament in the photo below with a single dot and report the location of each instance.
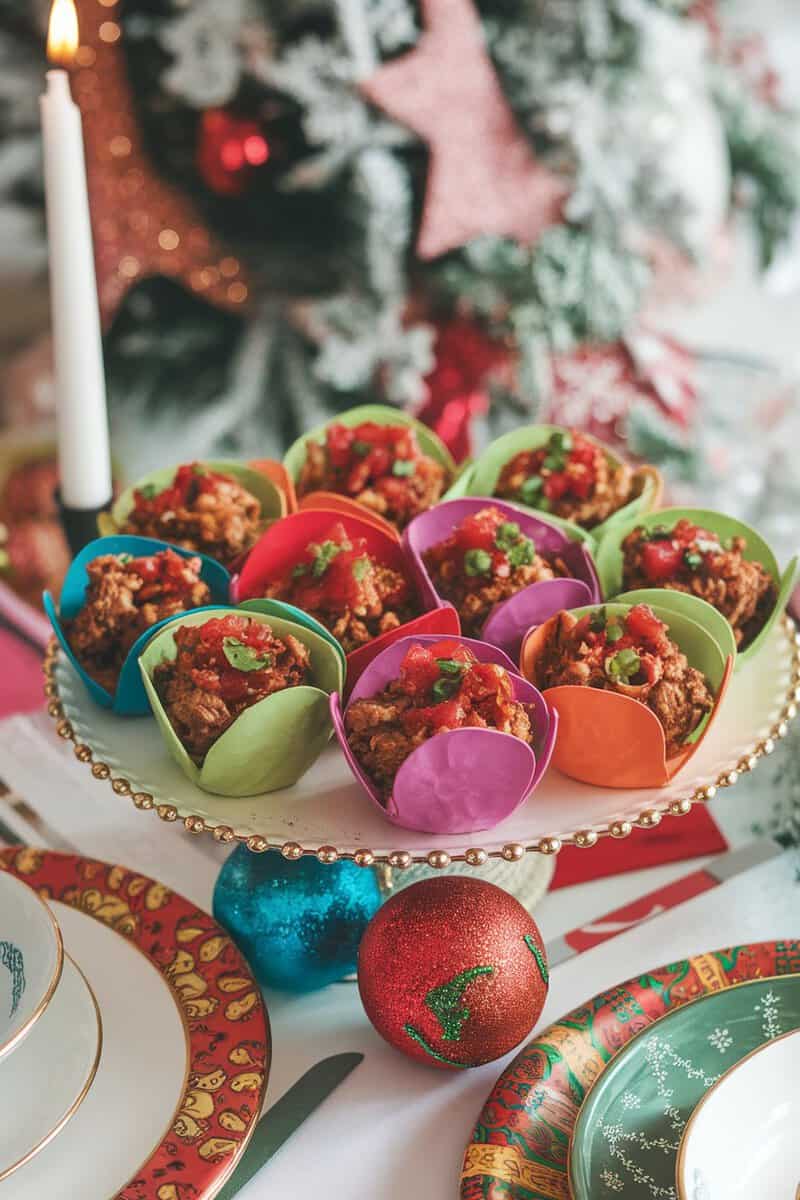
(446, 1002)
(541, 962)
(430, 1050)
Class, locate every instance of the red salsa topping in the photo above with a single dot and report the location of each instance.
(380, 466)
(632, 654)
(570, 476)
(486, 559)
(221, 668)
(340, 583)
(691, 559)
(201, 510)
(126, 596)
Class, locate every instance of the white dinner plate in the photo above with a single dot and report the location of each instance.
(45, 1081)
(741, 1140)
(31, 957)
(328, 811)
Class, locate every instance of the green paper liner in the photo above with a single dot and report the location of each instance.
(609, 560)
(274, 742)
(481, 478)
(273, 502)
(381, 414)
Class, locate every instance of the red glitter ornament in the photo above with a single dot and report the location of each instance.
(452, 971)
(228, 150)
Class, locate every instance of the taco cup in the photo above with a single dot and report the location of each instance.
(117, 592)
(213, 507)
(502, 568)
(378, 457)
(443, 734)
(562, 475)
(702, 553)
(241, 698)
(349, 575)
(636, 688)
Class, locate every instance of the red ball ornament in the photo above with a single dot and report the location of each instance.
(229, 149)
(467, 362)
(452, 971)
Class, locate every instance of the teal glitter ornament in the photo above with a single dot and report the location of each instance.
(299, 924)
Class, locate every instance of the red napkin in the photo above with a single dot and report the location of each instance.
(676, 839)
(21, 679)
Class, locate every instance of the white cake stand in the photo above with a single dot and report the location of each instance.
(327, 814)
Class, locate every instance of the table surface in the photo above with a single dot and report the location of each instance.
(392, 1120)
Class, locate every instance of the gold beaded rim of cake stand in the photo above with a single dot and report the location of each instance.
(648, 818)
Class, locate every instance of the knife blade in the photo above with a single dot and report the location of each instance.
(286, 1115)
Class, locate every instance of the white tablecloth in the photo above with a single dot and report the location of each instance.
(394, 1127)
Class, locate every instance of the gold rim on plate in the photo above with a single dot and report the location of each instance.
(7, 1046)
(5, 1172)
(648, 818)
(681, 1192)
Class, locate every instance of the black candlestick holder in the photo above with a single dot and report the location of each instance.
(80, 524)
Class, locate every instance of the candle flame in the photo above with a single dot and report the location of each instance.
(63, 38)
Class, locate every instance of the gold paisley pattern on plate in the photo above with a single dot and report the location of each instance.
(505, 1163)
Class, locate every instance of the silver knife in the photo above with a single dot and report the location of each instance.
(286, 1115)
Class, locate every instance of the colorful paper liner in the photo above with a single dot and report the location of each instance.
(464, 780)
(380, 414)
(272, 743)
(260, 483)
(610, 557)
(277, 551)
(276, 472)
(332, 502)
(481, 478)
(520, 1145)
(220, 1007)
(610, 740)
(509, 621)
(130, 698)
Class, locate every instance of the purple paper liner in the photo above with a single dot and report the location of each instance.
(458, 781)
(509, 621)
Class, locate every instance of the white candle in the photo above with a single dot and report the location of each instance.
(83, 447)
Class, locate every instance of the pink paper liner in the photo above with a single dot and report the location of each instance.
(458, 781)
(509, 621)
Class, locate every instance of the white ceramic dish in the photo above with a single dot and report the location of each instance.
(183, 1068)
(45, 1082)
(31, 958)
(741, 1140)
(326, 812)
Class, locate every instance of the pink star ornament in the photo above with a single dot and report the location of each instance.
(483, 177)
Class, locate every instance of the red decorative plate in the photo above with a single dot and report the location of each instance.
(520, 1145)
(212, 1082)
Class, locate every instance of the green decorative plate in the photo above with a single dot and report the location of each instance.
(520, 1147)
(628, 1131)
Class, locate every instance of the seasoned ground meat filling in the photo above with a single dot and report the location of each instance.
(125, 597)
(689, 559)
(348, 591)
(486, 559)
(221, 668)
(570, 477)
(380, 466)
(633, 656)
(200, 510)
(440, 687)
